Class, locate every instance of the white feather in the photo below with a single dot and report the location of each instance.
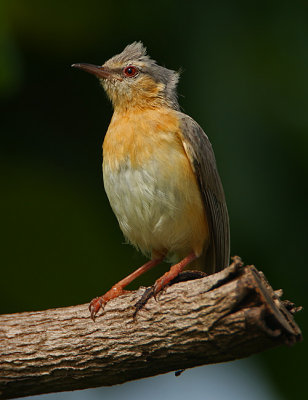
(149, 209)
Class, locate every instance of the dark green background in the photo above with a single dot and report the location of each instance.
(244, 80)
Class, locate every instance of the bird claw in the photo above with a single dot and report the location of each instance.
(150, 292)
(159, 287)
(95, 305)
(99, 302)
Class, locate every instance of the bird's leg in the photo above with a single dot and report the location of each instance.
(173, 272)
(170, 277)
(118, 289)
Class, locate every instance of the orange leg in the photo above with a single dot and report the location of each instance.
(173, 272)
(118, 289)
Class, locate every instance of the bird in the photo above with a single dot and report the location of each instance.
(159, 172)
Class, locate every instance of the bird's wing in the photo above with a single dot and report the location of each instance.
(200, 153)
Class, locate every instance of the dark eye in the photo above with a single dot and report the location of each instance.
(130, 71)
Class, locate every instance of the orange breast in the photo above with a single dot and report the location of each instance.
(138, 134)
(151, 185)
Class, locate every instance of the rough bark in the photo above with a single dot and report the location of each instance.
(226, 316)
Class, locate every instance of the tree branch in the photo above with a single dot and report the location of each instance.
(229, 315)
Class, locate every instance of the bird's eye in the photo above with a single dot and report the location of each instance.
(130, 71)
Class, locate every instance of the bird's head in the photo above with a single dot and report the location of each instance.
(133, 79)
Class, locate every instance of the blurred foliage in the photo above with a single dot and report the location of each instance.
(245, 81)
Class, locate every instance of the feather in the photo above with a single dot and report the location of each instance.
(199, 151)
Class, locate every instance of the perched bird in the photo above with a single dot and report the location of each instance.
(159, 172)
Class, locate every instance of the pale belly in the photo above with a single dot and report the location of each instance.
(158, 211)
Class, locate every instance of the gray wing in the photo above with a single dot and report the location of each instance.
(200, 153)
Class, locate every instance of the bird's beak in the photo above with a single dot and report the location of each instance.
(97, 70)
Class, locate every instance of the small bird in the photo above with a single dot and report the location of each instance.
(159, 172)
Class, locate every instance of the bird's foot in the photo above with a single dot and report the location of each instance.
(95, 305)
(152, 291)
(100, 302)
(118, 289)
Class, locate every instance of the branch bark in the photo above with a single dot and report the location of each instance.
(226, 316)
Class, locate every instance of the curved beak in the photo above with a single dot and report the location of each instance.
(96, 70)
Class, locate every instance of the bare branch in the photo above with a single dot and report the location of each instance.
(222, 317)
